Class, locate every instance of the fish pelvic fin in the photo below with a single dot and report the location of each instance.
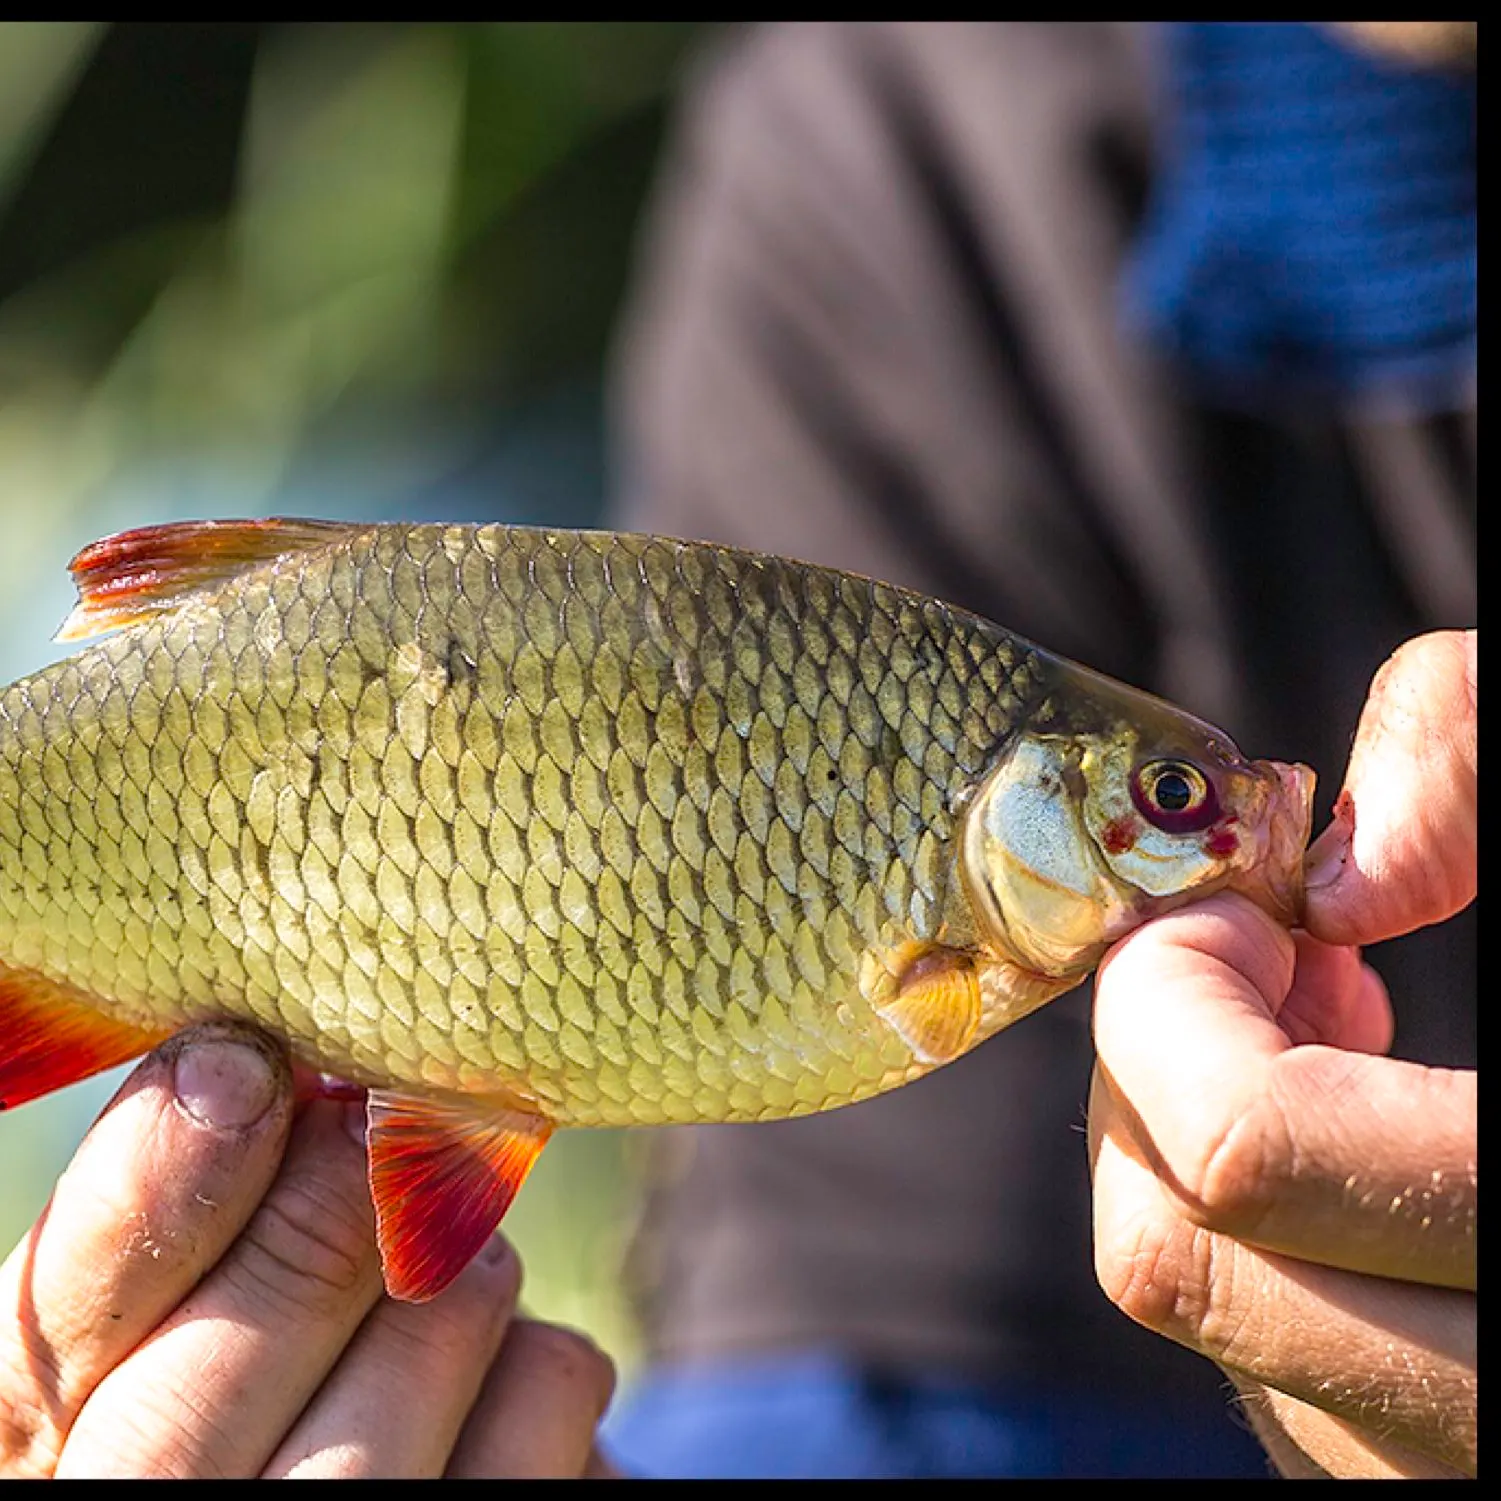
(133, 575)
(442, 1175)
(51, 1036)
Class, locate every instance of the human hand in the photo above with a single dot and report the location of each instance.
(202, 1297)
(1268, 1190)
(1401, 851)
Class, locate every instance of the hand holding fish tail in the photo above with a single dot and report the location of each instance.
(1269, 1190)
(202, 1297)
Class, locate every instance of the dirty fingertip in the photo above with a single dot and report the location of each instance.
(227, 1077)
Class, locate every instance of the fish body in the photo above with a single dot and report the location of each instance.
(526, 828)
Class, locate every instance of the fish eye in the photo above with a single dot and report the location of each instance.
(1175, 796)
(1172, 791)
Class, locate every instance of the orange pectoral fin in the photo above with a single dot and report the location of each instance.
(128, 577)
(442, 1175)
(930, 994)
(51, 1036)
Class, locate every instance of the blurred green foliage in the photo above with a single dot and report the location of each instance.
(359, 270)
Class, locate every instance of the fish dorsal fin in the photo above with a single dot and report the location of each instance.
(133, 575)
(442, 1175)
(52, 1036)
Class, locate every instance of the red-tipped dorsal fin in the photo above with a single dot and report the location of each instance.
(133, 575)
(51, 1036)
(442, 1174)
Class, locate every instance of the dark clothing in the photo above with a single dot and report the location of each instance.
(879, 328)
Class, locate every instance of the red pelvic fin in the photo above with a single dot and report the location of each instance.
(442, 1175)
(51, 1036)
(128, 577)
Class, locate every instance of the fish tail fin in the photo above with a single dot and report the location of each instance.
(51, 1036)
(133, 575)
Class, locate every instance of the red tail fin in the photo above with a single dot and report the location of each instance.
(51, 1036)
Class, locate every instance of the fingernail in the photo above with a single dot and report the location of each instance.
(226, 1082)
(1330, 852)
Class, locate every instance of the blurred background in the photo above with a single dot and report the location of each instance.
(360, 271)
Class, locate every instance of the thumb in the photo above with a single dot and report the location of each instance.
(1401, 850)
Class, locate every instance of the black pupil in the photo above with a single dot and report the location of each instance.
(1172, 792)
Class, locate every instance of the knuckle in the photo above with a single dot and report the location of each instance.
(1168, 1275)
(28, 1442)
(1246, 1160)
(563, 1357)
(31, 1415)
(472, 1315)
(1138, 1268)
(306, 1245)
(160, 1434)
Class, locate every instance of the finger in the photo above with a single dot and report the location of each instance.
(398, 1397)
(1401, 852)
(540, 1405)
(1395, 1359)
(1336, 999)
(597, 1467)
(218, 1385)
(160, 1187)
(1307, 1443)
(1329, 1155)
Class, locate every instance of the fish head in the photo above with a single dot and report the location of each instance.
(1113, 806)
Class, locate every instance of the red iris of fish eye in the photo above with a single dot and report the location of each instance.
(1199, 814)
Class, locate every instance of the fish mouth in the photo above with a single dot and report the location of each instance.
(1275, 880)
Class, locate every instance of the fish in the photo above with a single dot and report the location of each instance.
(518, 829)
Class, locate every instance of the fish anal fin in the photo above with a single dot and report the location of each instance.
(51, 1036)
(134, 575)
(930, 994)
(442, 1175)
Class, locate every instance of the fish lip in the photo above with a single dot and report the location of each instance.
(1275, 881)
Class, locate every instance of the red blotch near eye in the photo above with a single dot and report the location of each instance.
(1119, 835)
(1222, 842)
